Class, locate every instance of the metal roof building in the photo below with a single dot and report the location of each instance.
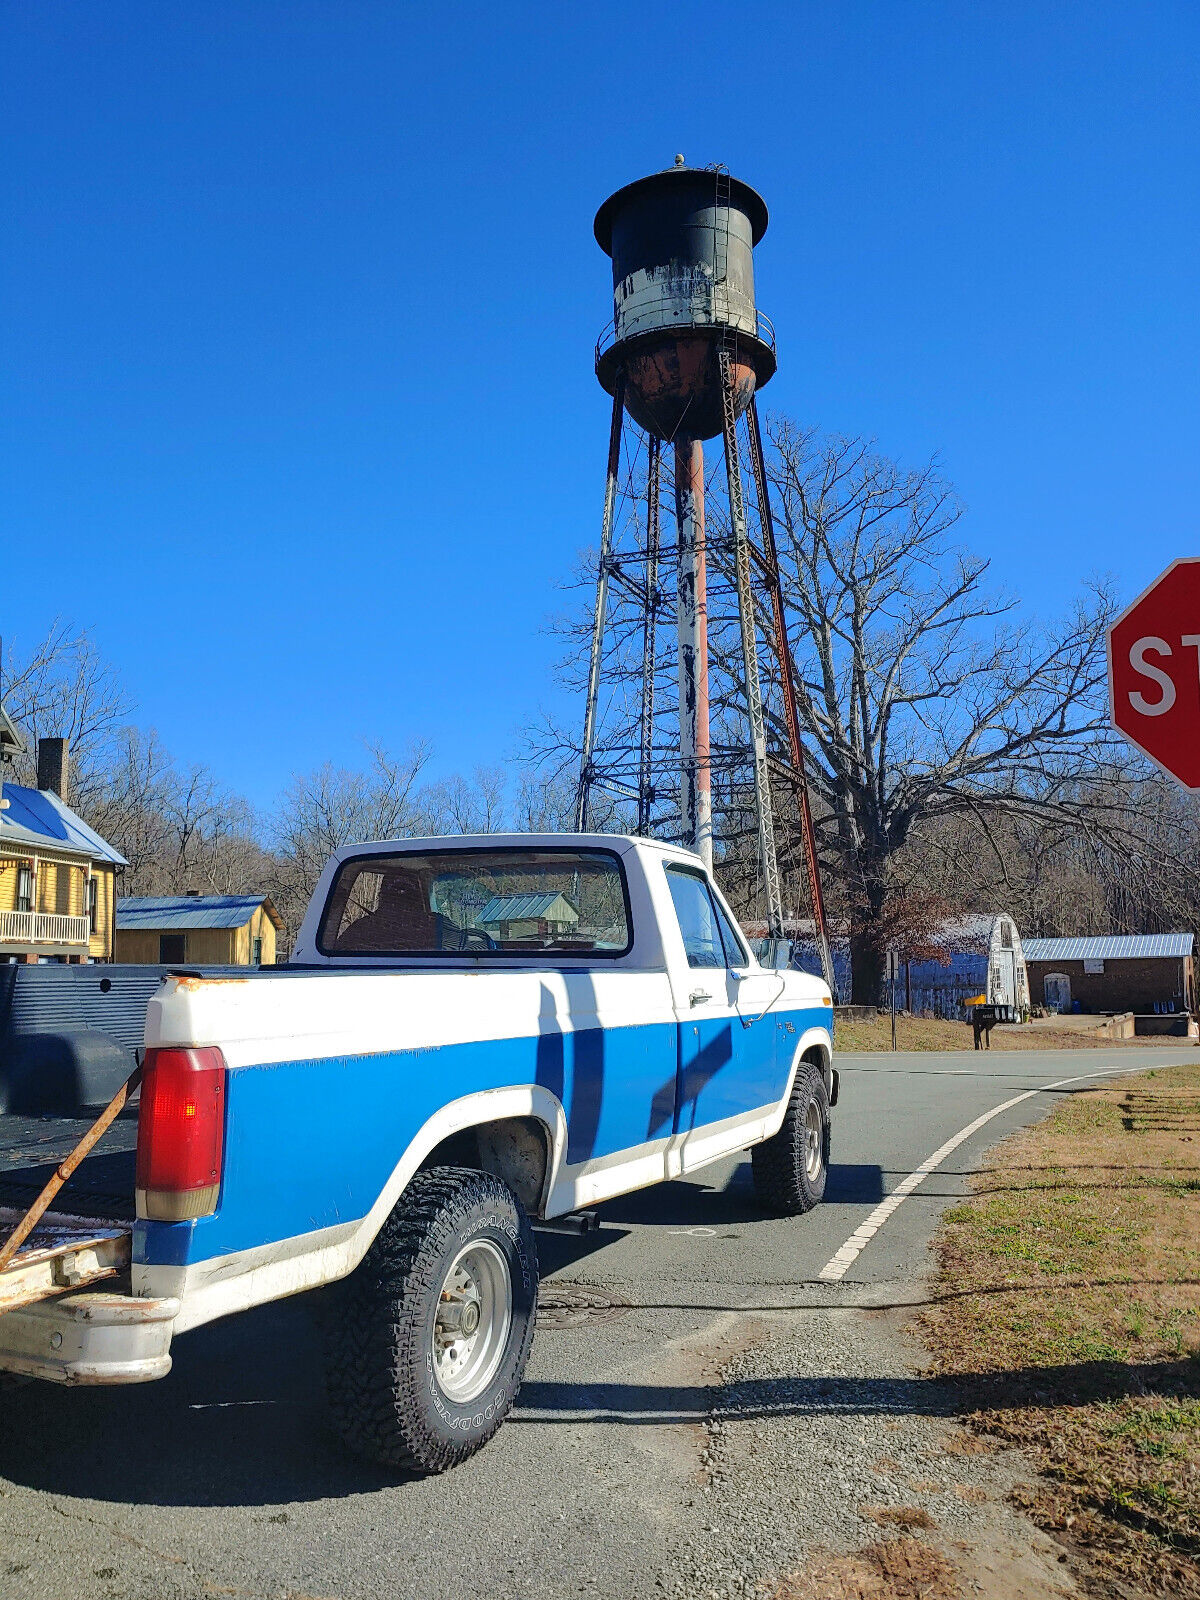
(528, 908)
(200, 929)
(188, 911)
(1111, 947)
(57, 879)
(1140, 972)
(39, 817)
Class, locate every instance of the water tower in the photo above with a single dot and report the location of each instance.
(683, 358)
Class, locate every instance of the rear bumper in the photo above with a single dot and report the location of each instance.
(91, 1338)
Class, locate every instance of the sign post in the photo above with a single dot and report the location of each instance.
(893, 977)
(1154, 672)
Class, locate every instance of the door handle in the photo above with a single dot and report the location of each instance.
(698, 996)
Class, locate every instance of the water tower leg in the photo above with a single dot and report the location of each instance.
(694, 755)
(583, 794)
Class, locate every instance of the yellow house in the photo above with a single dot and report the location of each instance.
(212, 930)
(57, 881)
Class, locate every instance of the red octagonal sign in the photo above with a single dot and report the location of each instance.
(1154, 672)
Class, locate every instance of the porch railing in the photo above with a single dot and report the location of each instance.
(42, 927)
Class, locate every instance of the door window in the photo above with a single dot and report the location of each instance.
(699, 918)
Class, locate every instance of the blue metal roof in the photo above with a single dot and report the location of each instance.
(40, 813)
(523, 908)
(1110, 947)
(155, 912)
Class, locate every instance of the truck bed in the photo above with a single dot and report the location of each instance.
(102, 1186)
(61, 1253)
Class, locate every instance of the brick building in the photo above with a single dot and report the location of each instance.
(1143, 972)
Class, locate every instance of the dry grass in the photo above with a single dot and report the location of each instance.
(907, 1517)
(1073, 1317)
(931, 1033)
(898, 1569)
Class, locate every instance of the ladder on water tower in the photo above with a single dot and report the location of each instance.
(721, 239)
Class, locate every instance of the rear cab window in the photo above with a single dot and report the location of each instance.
(504, 902)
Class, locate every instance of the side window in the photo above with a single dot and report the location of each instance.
(697, 918)
(735, 947)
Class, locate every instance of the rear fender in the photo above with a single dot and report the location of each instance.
(224, 1284)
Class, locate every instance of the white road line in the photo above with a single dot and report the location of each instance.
(837, 1266)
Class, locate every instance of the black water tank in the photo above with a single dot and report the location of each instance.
(682, 247)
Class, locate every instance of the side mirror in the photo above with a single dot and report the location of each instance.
(776, 954)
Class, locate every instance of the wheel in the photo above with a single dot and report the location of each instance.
(426, 1353)
(790, 1168)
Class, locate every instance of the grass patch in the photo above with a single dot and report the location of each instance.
(932, 1033)
(1069, 1309)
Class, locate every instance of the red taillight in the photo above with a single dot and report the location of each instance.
(181, 1133)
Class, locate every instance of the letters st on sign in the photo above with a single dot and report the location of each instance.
(1154, 672)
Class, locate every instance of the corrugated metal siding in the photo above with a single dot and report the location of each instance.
(46, 998)
(1110, 947)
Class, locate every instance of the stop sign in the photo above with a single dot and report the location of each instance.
(1154, 672)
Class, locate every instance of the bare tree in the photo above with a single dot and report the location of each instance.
(63, 688)
(178, 829)
(923, 695)
(466, 805)
(333, 806)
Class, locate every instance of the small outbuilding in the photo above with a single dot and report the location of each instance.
(978, 959)
(213, 930)
(1140, 972)
(529, 916)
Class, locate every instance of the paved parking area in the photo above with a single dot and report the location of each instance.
(222, 1479)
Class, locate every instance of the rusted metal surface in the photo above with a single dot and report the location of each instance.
(583, 795)
(649, 635)
(787, 678)
(673, 382)
(61, 1254)
(192, 982)
(692, 605)
(95, 1337)
(65, 1168)
(764, 812)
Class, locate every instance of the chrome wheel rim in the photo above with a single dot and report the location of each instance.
(470, 1327)
(812, 1140)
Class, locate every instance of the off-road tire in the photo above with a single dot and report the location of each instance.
(783, 1179)
(384, 1396)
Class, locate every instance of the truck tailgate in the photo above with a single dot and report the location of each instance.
(85, 1237)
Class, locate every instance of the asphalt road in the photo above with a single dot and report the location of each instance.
(222, 1479)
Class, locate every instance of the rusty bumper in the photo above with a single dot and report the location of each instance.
(89, 1338)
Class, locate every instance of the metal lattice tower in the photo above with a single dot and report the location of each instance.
(682, 358)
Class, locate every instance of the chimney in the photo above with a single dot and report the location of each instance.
(52, 766)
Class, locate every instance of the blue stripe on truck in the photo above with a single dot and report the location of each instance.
(309, 1144)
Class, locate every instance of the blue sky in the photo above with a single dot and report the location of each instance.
(299, 302)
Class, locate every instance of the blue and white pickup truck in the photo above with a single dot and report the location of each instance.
(472, 1033)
